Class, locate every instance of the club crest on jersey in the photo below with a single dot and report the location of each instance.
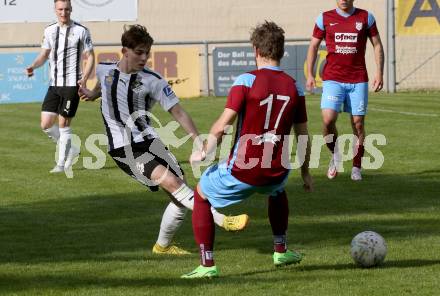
(358, 26)
(136, 86)
(108, 80)
(167, 90)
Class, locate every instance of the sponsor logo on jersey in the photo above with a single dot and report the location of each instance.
(168, 91)
(346, 37)
(345, 49)
(333, 24)
(359, 26)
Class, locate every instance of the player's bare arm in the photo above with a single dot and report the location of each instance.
(38, 62)
(218, 129)
(215, 135)
(187, 124)
(312, 53)
(86, 94)
(300, 129)
(185, 121)
(89, 56)
(379, 58)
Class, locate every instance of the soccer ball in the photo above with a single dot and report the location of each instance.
(368, 249)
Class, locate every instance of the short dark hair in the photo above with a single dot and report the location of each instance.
(55, 1)
(136, 35)
(268, 38)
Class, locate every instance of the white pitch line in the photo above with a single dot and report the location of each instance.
(405, 113)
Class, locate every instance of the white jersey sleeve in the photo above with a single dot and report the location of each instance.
(164, 94)
(45, 44)
(86, 41)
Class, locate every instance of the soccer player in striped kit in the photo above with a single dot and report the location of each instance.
(129, 90)
(64, 44)
(267, 105)
(346, 30)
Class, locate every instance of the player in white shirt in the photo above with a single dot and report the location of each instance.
(64, 43)
(129, 90)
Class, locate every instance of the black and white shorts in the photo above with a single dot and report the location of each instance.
(62, 100)
(138, 160)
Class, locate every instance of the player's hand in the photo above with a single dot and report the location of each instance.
(85, 94)
(311, 84)
(308, 182)
(197, 156)
(82, 83)
(378, 82)
(30, 71)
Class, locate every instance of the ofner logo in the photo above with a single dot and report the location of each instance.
(346, 37)
(94, 3)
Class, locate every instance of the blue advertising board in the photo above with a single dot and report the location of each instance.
(229, 62)
(15, 86)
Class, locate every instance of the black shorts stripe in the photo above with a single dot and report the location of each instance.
(55, 56)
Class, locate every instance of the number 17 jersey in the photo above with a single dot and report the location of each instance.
(268, 103)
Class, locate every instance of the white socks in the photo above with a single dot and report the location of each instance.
(64, 144)
(185, 196)
(172, 219)
(53, 133)
(218, 217)
(173, 216)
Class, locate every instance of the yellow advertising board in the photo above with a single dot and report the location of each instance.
(179, 66)
(418, 17)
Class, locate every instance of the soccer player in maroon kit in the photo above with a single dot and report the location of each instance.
(267, 104)
(345, 30)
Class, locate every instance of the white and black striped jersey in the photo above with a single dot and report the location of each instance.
(126, 103)
(66, 44)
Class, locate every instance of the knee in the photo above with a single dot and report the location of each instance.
(47, 122)
(45, 125)
(171, 183)
(329, 122)
(358, 126)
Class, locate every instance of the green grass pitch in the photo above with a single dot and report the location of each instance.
(93, 234)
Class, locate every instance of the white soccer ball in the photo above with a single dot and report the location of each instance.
(368, 249)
